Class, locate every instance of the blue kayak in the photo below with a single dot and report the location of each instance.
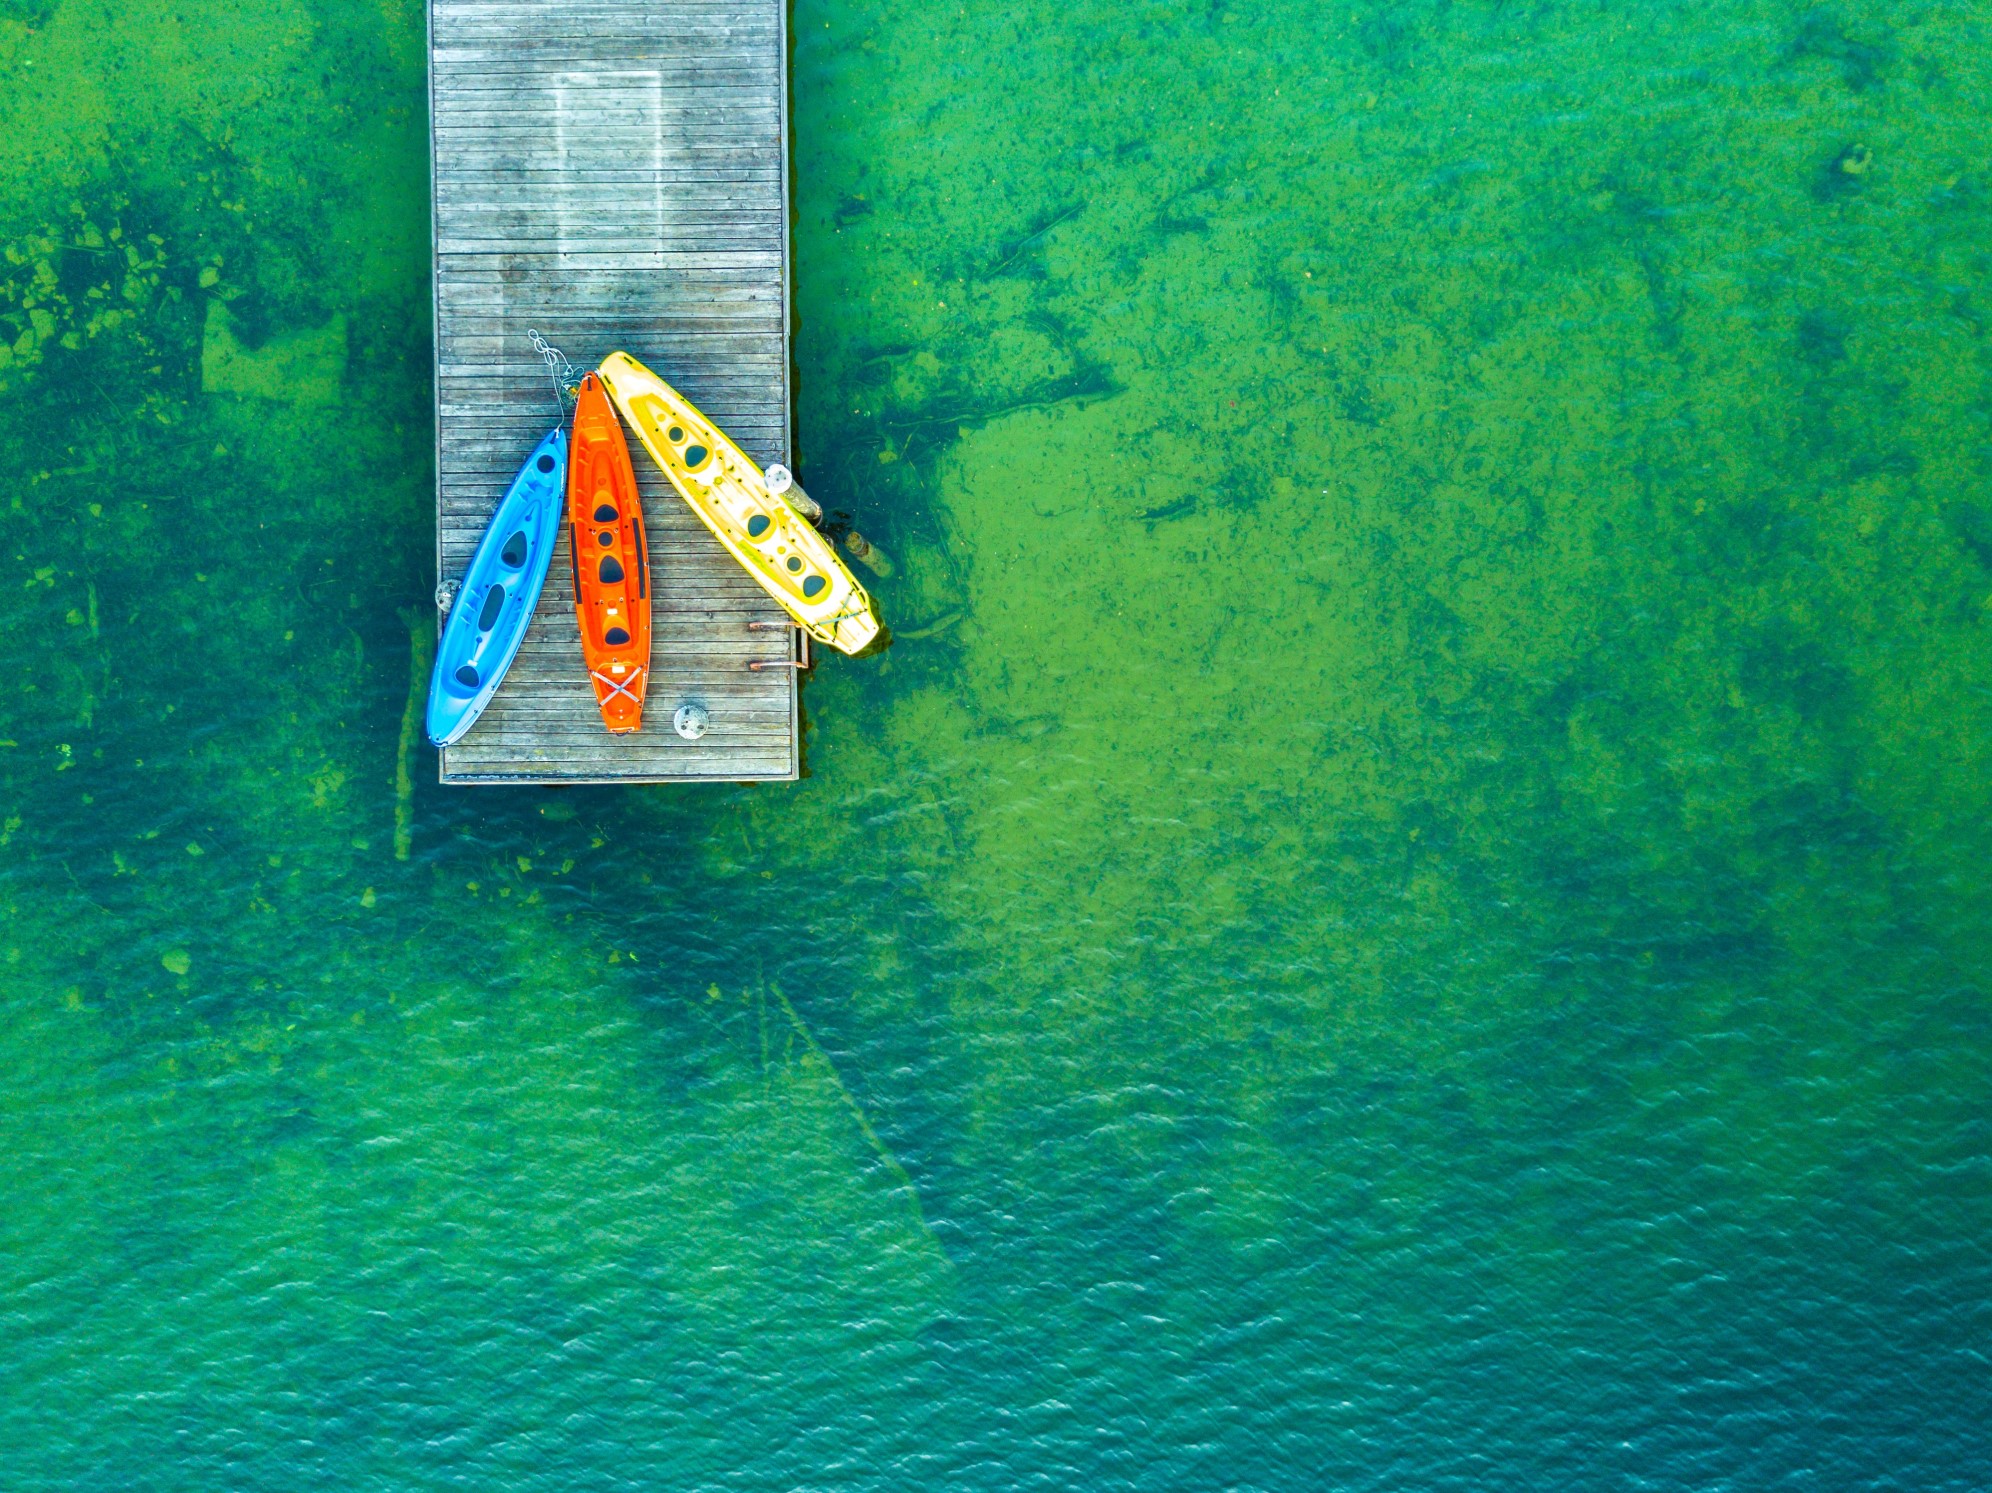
(494, 606)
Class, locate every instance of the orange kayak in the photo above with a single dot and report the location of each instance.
(611, 564)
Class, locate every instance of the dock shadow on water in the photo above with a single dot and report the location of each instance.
(1409, 894)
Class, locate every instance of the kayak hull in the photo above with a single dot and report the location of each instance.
(501, 587)
(774, 543)
(611, 560)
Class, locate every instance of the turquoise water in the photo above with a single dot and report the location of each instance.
(1408, 908)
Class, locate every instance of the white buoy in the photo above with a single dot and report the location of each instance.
(691, 722)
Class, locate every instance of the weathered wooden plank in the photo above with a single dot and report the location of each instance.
(462, 46)
(691, 159)
(649, 750)
(482, 263)
(571, 771)
(663, 24)
(607, 140)
(571, 227)
(613, 173)
(470, 40)
(693, 191)
(538, 16)
(560, 194)
(619, 106)
(466, 350)
(728, 76)
(709, 84)
(586, 256)
(542, 15)
(657, 762)
(524, 268)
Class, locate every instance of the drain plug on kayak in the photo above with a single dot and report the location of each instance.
(691, 722)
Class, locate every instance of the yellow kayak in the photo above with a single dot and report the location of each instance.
(793, 563)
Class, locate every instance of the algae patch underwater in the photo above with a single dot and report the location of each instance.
(1482, 627)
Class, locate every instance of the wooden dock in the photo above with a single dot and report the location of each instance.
(614, 173)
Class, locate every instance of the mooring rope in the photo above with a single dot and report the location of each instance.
(565, 377)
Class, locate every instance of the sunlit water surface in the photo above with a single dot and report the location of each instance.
(1407, 910)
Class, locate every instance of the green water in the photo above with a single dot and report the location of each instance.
(1408, 909)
